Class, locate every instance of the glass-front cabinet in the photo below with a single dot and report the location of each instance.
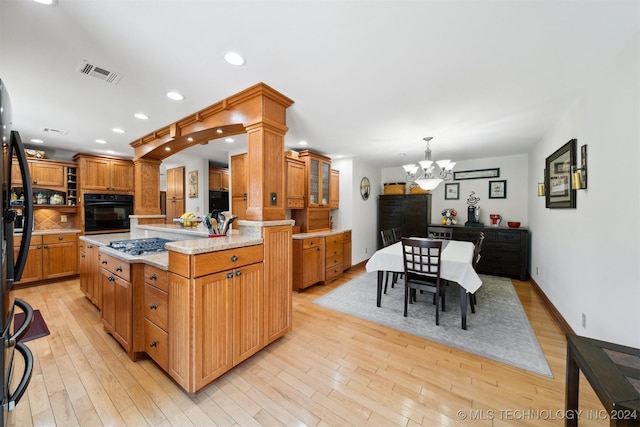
(319, 170)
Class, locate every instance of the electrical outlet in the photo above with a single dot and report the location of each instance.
(63, 218)
(366, 250)
(584, 320)
(197, 208)
(274, 199)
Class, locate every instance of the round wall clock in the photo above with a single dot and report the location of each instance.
(365, 188)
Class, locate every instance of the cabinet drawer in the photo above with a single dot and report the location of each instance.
(116, 266)
(156, 344)
(509, 237)
(156, 306)
(333, 272)
(346, 237)
(311, 243)
(214, 262)
(332, 261)
(49, 239)
(333, 241)
(156, 277)
(35, 240)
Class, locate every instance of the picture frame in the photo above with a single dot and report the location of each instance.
(365, 188)
(193, 184)
(498, 189)
(452, 191)
(557, 177)
(477, 174)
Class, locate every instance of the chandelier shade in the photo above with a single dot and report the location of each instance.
(429, 174)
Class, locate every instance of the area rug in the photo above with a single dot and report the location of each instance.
(38, 327)
(499, 329)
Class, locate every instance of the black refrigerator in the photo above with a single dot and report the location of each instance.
(12, 267)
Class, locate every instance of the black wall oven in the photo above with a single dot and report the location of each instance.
(107, 212)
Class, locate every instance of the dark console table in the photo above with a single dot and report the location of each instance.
(614, 374)
(505, 251)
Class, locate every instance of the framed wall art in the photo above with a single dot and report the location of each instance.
(477, 174)
(498, 189)
(193, 184)
(452, 191)
(557, 177)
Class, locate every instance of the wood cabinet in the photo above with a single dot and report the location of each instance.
(117, 300)
(89, 266)
(505, 251)
(309, 262)
(239, 186)
(156, 315)
(218, 179)
(318, 168)
(48, 175)
(175, 193)
(333, 249)
(295, 178)
(50, 256)
(105, 174)
(215, 308)
(278, 281)
(411, 213)
(346, 251)
(334, 186)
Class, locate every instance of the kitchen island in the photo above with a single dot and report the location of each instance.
(203, 306)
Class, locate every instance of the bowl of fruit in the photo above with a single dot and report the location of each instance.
(188, 219)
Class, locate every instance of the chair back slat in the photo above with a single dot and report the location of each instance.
(477, 249)
(396, 233)
(387, 237)
(422, 257)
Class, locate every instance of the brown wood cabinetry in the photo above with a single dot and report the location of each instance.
(218, 179)
(334, 185)
(48, 175)
(223, 292)
(411, 213)
(117, 300)
(333, 250)
(239, 186)
(89, 266)
(50, 256)
(156, 315)
(278, 281)
(505, 251)
(105, 174)
(175, 193)
(346, 251)
(295, 178)
(308, 264)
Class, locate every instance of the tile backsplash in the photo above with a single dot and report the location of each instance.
(49, 219)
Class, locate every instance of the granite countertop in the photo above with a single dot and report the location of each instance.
(319, 233)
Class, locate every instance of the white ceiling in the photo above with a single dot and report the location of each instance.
(369, 79)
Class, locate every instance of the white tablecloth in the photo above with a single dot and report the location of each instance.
(455, 263)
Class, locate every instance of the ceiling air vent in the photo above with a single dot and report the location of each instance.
(56, 131)
(99, 73)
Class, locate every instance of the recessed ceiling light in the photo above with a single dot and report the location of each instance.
(47, 2)
(303, 143)
(118, 130)
(141, 116)
(234, 58)
(37, 141)
(167, 148)
(219, 131)
(229, 140)
(190, 139)
(101, 141)
(176, 96)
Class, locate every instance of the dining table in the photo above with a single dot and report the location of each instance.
(456, 265)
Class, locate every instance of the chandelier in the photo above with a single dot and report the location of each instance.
(429, 174)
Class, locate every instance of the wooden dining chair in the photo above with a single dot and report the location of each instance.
(476, 259)
(396, 232)
(422, 271)
(442, 233)
(387, 240)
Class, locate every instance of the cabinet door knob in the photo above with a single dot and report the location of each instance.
(229, 275)
(82, 256)
(111, 279)
(153, 277)
(153, 307)
(234, 258)
(46, 246)
(238, 273)
(153, 344)
(60, 237)
(38, 247)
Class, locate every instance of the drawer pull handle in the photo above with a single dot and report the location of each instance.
(234, 258)
(229, 275)
(238, 273)
(81, 245)
(119, 268)
(153, 277)
(90, 246)
(46, 246)
(82, 256)
(111, 279)
(38, 247)
(153, 344)
(60, 237)
(311, 243)
(104, 261)
(153, 307)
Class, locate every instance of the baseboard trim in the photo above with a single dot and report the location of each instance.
(564, 325)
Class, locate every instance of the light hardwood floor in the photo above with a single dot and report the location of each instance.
(330, 370)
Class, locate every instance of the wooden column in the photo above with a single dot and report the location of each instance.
(147, 187)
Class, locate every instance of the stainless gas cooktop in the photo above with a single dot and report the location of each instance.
(144, 246)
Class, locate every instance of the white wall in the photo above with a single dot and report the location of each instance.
(198, 205)
(513, 169)
(587, 260)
